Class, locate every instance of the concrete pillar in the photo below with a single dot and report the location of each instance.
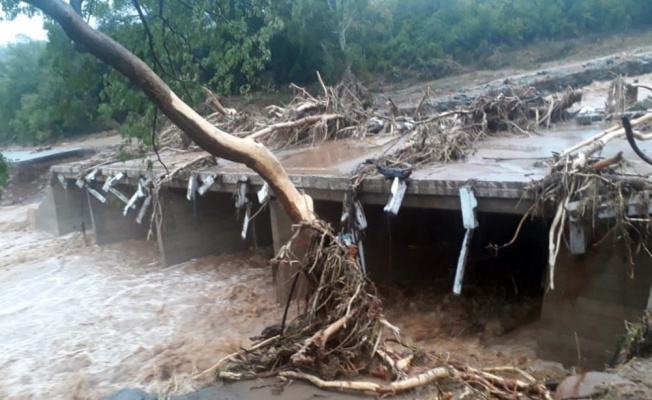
(329, 211)
(109, 223)
(63, 211)
(284, 273)
(207, 226)
(582, 320)
(281, 225)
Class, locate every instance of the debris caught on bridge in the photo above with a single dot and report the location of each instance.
(581, 189)
(348, 110)
(341, 334)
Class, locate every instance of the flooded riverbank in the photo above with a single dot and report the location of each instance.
(81, 322)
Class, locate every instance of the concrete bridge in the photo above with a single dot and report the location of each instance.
(580, 321)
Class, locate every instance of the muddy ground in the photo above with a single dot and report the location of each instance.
(79, 321)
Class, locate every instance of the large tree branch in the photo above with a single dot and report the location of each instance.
(77, 6)
(246, 151)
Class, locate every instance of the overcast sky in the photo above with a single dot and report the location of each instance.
(22, 26)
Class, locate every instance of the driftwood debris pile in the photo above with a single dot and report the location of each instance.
(341, 339)
(347, 110)
(596, 193)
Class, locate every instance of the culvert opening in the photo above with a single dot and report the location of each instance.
(414, 258)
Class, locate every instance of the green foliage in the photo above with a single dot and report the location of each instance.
(220, 44)
(47, 90)
(236, 46)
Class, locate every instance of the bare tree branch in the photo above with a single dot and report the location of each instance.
(208, 137)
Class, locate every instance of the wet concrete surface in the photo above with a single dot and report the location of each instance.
(248, 390)
(499, 158)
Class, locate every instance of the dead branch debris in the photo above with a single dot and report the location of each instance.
(337, 340)
(597, 194)
(636, 342)
(347, 110)
(599, 186)
(621, 96)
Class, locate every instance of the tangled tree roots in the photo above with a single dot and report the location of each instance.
(339, 327)
(339, 336)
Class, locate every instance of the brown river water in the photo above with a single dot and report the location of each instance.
(79, 322)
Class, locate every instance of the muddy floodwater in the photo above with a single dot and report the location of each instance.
(79, 321)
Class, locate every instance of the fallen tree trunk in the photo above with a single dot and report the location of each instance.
(218, 143)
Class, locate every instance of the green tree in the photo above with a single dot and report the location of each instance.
(221, 44)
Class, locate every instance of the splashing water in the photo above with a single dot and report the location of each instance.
(80, 322)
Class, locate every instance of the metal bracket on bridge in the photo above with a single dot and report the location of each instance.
(247, 220)
(360, 218)
(62, 180)
(468, 204)
(108, 187)
(577, 234)
(141, 192)
(119, 195)
(241, 194)
(359, 224)
(192, 187)
(112, 181)
(143, 209)
(263, 194)
(96, 194)
(90, 177)
(206, 184)
(398, 192)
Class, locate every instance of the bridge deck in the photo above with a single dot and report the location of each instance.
(501, 168)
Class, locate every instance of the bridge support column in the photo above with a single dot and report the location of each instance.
(63, 210)
(204, 227)
(109, 223)
(582, 320)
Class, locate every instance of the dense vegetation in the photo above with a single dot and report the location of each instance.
(48, 90)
